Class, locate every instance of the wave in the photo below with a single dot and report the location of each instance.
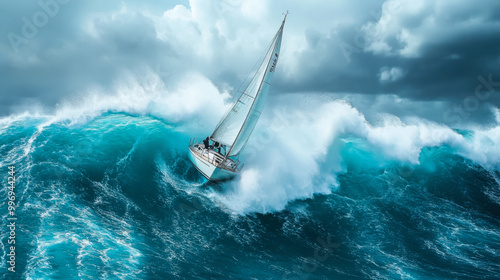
(299, 154)
(301, 145)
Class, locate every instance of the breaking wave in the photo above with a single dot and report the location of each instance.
(107, 187)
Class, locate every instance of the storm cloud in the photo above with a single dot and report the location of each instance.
(444, 52)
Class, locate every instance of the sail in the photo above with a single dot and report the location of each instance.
(235, 128)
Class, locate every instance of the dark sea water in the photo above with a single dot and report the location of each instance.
(114, 196)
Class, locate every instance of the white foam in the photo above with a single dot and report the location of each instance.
(294, 151)
(295, 156)
(7, 121)
(89, 239)
(484, 147)
(193, 97)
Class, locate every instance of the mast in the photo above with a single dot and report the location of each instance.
(236, 126)
(260, 86)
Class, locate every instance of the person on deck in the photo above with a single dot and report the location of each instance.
(217, 146)
(206, 142)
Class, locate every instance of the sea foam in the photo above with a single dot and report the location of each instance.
(295, 150)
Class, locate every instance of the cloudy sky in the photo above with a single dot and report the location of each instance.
(439, 59)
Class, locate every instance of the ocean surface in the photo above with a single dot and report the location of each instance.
(105, 190)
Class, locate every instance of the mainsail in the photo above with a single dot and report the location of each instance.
(237, 125)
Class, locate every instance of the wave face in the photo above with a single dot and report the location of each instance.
(105, 190)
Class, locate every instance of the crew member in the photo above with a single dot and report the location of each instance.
(217, 146)
(206, 142)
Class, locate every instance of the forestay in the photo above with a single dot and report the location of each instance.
(237, 125)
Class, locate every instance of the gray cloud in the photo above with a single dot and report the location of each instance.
(422, 51)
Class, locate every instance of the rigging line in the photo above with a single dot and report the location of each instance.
(248, 95)
(255, 74)
(258, 62)
(275, 40)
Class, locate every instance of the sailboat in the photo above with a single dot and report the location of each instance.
(216, 157)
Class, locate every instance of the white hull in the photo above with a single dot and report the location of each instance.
(210, 171)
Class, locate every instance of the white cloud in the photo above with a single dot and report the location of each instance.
(378, 33)
(94, 43)
(393, 74)
(406, 27)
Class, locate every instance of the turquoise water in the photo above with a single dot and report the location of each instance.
(115, 197)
